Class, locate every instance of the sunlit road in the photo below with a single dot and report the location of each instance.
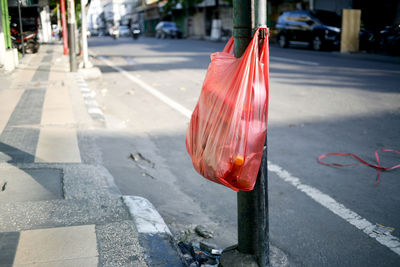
(320, 102)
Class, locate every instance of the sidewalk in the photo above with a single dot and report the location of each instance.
(58, 205)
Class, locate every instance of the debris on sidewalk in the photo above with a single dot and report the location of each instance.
(200, 254)
(138, 157)
(203, 231)
(3, 186)
(146, 174)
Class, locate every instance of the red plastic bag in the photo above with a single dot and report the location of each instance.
(226, 135)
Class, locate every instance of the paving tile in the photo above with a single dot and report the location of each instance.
(30, 184)
(57, 109)
(8, 247)
(57, 144)
(44, 246)
(82, 262)
(8, 101)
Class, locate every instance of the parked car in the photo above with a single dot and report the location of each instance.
(319, 29)
(166, 29)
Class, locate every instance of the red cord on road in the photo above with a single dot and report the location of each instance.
(376, 166)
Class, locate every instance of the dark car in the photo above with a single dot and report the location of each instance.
(166, 29)
(319, 29)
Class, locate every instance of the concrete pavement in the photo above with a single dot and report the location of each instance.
(58, 205)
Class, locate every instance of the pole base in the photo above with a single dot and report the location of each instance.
(231, 257)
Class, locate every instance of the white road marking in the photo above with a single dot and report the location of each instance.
(288, 60)
(173, 104)
(390, 241)
(131, 61)
(147, 219)
(351, 217)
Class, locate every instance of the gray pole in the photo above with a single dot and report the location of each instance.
(20, 28)
(253, 224)
(261, 187)
(71, 35)
(241, 25)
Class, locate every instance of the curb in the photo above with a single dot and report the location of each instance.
(92, 73)
(154, 235)
(88, 95)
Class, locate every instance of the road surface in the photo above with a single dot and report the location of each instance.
(320, 102)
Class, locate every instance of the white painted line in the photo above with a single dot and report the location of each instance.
(173, 104)
(131, 61)
(288, 60)
(147, 219)
(351, 217)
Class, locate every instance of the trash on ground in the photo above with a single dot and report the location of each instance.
(144, 174)
(3, 187)
(383, 230)
(207, 246)
(139, 157)
(377, 166)
(195, 256)
(203, 231)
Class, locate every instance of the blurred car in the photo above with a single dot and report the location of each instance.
(319, 29)
(124, 31)
(166, 29)
(94, 32)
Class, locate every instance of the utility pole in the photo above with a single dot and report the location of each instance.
(20, 28)
(71, 33)
(58, 19)
(253, 224)
(86, 63)
(64, 27)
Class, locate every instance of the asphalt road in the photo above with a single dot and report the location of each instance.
(320, 102)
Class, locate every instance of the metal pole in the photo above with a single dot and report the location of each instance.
(241, 25)
(58, 20)
(261, 187)
(71, 33)
(253, 224)
(64, 27)
(20, 28)
(86, 63)
(245, 200)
